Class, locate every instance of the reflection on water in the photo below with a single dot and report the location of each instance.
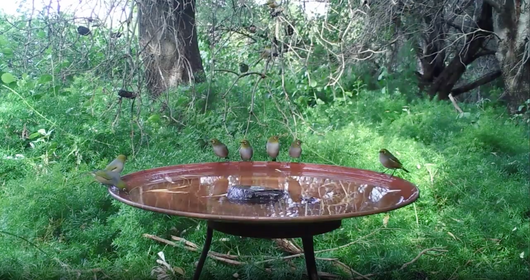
(307, 195)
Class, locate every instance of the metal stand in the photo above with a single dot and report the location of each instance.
(204, 254)
(279, 230)
(309, 254)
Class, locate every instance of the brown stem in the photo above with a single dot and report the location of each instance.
(482, 81)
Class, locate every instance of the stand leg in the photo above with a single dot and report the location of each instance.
(204, 254)
(309, 254)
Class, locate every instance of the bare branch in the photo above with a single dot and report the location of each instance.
(482, 81)
(496, 6)
(485, 53)
(458, 109)
(435, 249)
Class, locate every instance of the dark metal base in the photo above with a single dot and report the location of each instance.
(281, 230)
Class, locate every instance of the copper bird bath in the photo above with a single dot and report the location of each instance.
(317, 198)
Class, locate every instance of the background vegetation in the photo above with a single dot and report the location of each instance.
(60, 117)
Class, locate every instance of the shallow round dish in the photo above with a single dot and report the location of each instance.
(316, 192)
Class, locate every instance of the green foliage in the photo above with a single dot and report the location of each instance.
(472, 169)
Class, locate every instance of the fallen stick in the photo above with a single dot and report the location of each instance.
(454, 104)
(350, 270)
(159, 239)
(436, 249)
(186, 242)
(321, 251)
(231, 259)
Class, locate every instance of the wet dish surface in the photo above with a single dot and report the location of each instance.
(312, 192)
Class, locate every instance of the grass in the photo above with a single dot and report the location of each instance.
(472, 172)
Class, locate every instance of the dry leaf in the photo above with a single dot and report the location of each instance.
(179, 270)
(385, 220)
(452, 235)
(161, 256)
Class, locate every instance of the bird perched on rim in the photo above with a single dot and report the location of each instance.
(295, 151)
(109, 178)
(117, 164)
(219, 148)
(245, 151)
(389, 161)
(273, 147)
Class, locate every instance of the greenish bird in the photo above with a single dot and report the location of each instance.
(389, 161)
(295, 151)
(246, 151)
(109, 178)
(117, 164)
(219, 148)
(273, 147)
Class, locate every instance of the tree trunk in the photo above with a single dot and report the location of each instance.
(512, 25)
(470, 51)
(168, 41)
(432, 53)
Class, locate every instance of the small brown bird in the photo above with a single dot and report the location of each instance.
(389, 161)
(266, 53)
(245, 151)
(117, 164)
(272, 4)
(273, 147)
(295, 151)
(219, 148)
(109, 178)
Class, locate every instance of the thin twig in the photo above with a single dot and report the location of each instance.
(29, 242)
(230, 259)
(322, 251)
(454, 104)
(349, 269)
(436, 249)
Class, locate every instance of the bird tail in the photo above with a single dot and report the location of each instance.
(274, 159)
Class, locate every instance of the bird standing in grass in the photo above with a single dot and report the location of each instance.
(389, 161)
(109, 178)
(117, 164)
(245, 150)
(295, 151)
(219, 148)
(273, 147)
